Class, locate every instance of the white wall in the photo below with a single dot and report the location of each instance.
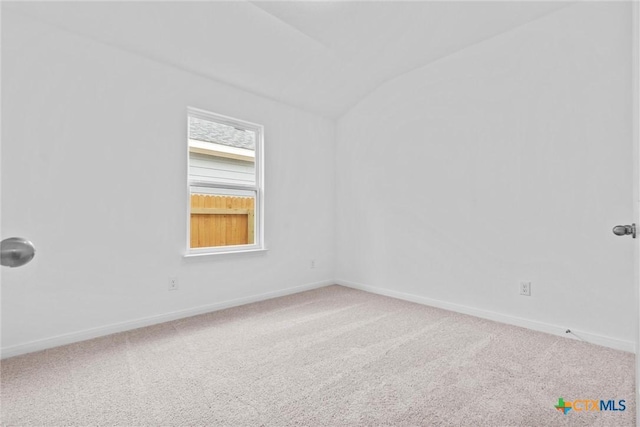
(509, 160)
(78, 118)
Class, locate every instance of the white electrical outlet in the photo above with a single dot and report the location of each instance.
(173, 284)
(525, 288)
(313, 263)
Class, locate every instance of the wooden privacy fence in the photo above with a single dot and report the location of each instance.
(221, 220)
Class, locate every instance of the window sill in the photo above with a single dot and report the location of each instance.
(201, 254)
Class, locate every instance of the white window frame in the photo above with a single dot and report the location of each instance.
(258, 188)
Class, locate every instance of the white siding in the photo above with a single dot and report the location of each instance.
(220, 169)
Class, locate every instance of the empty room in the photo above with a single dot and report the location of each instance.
(319, 213)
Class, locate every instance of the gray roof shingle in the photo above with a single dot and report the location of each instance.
(218, 133)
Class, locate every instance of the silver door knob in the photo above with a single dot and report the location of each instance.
(16, 252)
(624, 230)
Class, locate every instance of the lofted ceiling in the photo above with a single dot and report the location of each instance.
(321, 56)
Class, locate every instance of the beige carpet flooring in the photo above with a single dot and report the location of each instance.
(328, 357)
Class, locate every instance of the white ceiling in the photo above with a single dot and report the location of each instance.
(320, 56)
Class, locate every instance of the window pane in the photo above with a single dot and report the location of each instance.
(223, 161)
(221, 153)
(221, 217)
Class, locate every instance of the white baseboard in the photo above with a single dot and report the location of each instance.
(498, 317)
(56, 341)
(86, 334)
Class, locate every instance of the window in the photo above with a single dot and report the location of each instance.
(225, 184)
